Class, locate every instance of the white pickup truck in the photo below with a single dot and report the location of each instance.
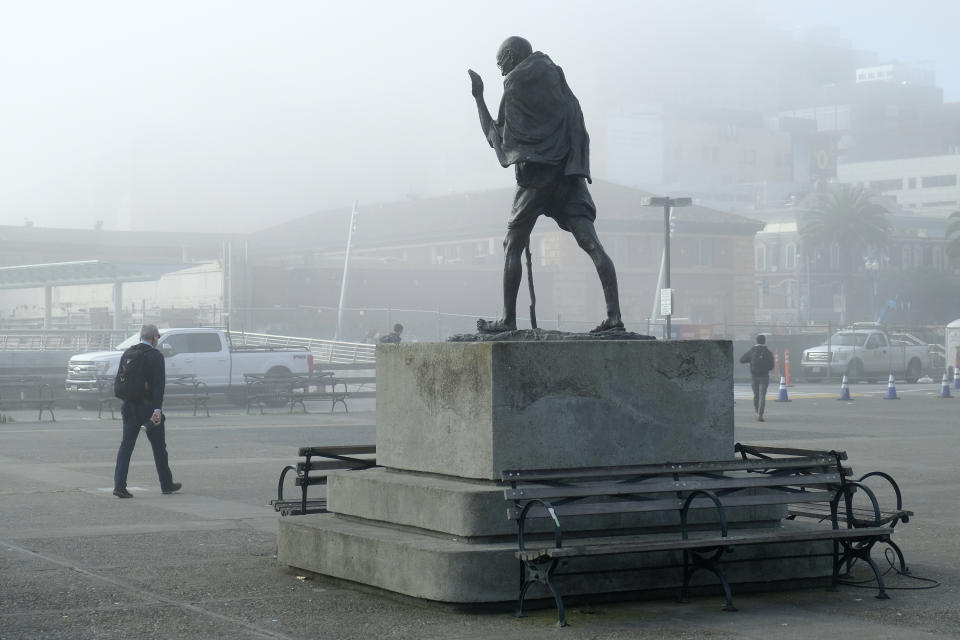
(865, 351)
(206, 353)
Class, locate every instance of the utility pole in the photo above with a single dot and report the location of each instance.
(346, 268)
(666, 293)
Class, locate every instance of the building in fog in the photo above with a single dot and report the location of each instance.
(797, 289)
(880, 113)
(181, 278)
(436, 264)
(926, 185)
(723, 158)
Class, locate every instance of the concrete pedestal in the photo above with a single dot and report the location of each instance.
(452, 416)
(472, 410)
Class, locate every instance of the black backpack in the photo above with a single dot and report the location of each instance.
(131, 381)
(761, 361)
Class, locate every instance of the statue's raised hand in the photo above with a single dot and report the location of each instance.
(477, 88)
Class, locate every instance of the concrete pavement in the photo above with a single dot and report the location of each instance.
(75, 562)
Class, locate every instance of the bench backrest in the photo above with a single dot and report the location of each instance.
(667, 486)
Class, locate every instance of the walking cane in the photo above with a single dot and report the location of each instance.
(533, 295)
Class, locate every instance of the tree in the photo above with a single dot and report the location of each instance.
(845, 217)
(953, 235)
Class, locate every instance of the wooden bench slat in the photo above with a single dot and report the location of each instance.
(337, 451)
(548, 475)
(667, 504)
(761, 537)
(665, 486)
(783, 451)
(860, 515)
(329, 465)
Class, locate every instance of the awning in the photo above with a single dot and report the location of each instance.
(58, 274)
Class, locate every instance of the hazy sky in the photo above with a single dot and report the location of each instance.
(237, 114)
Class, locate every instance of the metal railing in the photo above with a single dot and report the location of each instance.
(61, 340)
(328, 351)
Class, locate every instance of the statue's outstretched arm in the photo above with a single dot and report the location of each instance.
(486, 120)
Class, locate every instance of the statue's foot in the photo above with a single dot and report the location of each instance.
(495, 326)
(608, 325)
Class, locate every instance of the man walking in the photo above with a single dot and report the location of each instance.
(761, 363)
(140, 383)
(540, 130)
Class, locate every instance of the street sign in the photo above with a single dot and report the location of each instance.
(666, 302)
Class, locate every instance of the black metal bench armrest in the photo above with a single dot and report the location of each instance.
(686, 508)
(283, 474)
(847, 495)
(521, 523)
(893, 484)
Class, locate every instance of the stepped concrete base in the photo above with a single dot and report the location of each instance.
(452, 416)
(447, 570)
(463, 508)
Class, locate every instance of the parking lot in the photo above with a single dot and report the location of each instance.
(75, 562)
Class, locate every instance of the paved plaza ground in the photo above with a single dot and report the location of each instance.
(75, 562)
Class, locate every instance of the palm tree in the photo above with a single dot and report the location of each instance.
(953, 235)
(845, 217)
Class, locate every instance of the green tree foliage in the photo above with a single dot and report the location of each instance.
(847, 217)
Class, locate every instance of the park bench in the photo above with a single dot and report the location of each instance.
(272, 390)
(888, 494)
(26, 392)
(310, 472)
(672, 490)
(181, 389)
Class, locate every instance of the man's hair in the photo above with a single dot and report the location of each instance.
(149, 332)
(397, 328)
(761, 339)
(520, 46)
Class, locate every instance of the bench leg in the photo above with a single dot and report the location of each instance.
(858, 550)
(541, 572)
(694, 561)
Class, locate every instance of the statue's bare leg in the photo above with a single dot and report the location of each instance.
(513, 246)
(586, 236)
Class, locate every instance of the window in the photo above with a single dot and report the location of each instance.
(704, 252)
(791, 256)
(949, 180)
(204, 343)
(886, 185)
(722, 253)
(761, 260)
(180, 342)
(912, 183)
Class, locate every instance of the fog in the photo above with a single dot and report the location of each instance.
(233, 115)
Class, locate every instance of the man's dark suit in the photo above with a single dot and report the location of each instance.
(135, 414)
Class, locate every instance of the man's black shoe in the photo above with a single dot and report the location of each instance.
(122, 493)
(173, 487)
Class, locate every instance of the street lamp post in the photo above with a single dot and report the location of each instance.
(667, 203)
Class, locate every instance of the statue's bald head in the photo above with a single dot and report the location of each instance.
(512, 52)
